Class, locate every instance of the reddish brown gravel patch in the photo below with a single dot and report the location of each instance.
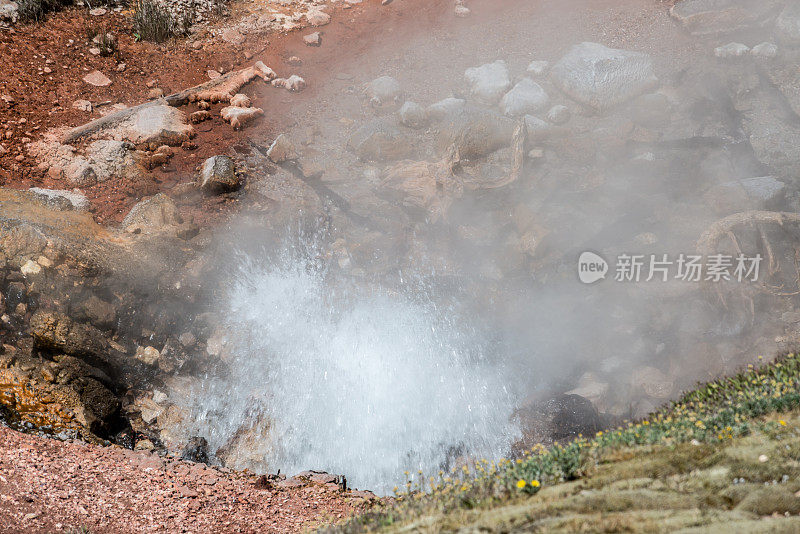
(53, 486)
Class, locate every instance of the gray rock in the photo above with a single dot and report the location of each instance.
(788, 24)
(384, 92)
(602, 77)
(731, 50)
(218, 174)
(9, 12)
(559, 114)
(413, 115)
(443, 108)
(378, 140)
(762, 188)
(152, 215)
(476, 132)
(62, 199)
(707, 17)
(282, 149)
(765, 51)
(526, 97)
(488, 83)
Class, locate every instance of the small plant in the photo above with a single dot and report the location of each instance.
(153, 22)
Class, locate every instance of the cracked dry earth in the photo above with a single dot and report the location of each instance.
(50, 486)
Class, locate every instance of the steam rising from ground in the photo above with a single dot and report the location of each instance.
(366, 382)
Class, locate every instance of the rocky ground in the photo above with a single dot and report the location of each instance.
(52, 486)
(131, 180)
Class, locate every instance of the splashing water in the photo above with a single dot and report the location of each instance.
(365, 382)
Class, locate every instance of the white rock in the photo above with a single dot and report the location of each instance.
(293, 83)
(537, 68)
(76, 199)
(318, 18)
(30, 268)
(383, 91)
(765, 50)
(442, 108)
(488, 83)
(239, 117)
(9, 11)
(97, 78)
(240, 101)
(602, 77)
(526, 97)
(731, 50)
(412, 115)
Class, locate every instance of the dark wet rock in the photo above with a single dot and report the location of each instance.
(62, 394)
(57, 332)
(602, 77)
(558, 418)
(218, 174)
(96, 311)
(196, 450)
(475, 132)
(379, 140)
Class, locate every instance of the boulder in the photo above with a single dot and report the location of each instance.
(601, 77)
(475, 132)
(218, 174)
(526, 97)
(153, 215)
(378, 140)
(488, 83)
(384, 92)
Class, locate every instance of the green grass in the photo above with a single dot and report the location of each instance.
(708, 443)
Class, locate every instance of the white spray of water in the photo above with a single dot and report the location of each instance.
(368, 383)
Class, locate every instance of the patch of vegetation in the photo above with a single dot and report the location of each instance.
(713, 451)
(37, 10)
(152, 21)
